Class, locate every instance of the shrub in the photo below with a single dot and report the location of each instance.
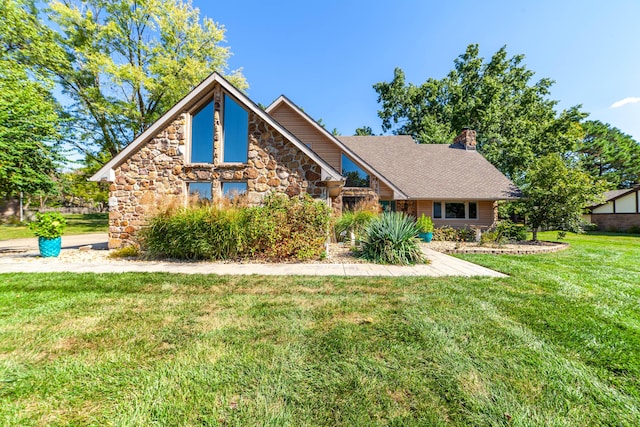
(492, 237)
(200, 233)
(511, 231)
(126, 252)
(287, 227)
(353, 222)
(425, 224)
(450, 234)
(48, 225)
(634, 229)
(391, 239)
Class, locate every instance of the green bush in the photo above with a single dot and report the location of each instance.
(425, 224)
(49, 225)
(281, 228)
(511, 231)
(200, 233)
(391, 239)
(353, 221)
(287, 227)
(450, 234)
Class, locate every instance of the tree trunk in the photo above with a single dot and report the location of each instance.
(534, 230)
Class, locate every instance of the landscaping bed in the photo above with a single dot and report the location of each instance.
(518, 248)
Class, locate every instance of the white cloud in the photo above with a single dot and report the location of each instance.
(625, 101)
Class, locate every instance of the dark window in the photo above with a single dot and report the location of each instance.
(356, 177)
(437, 210)
(473, 210)
(454, 210)
(388, 205)
(201, 190)
(202, 135)
(232, 189)
(236, 132)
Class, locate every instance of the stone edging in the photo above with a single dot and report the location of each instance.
(555, 247)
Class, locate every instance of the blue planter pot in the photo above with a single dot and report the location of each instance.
(426, 237)
(49, 247)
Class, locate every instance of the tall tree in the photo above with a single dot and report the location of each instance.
(28, 133)
(29, 119)
(515, 120)
(123, 63)
(606, 152)
(555, 194)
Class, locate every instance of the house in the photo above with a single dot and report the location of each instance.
(619, 212)
(217, 142)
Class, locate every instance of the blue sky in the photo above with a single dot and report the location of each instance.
(326, 55)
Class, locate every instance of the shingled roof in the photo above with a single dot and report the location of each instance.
(432, 171)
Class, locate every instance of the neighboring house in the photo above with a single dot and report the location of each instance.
(217, 142)
(619, 212)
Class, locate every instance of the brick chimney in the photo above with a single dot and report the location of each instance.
(466, 139)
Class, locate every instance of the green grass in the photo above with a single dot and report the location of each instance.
(558, 343)
(76, 224)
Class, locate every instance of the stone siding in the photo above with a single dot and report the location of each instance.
(616, 222)
(156, 176)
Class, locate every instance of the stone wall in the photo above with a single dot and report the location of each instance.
(156, 176)
(616, 222)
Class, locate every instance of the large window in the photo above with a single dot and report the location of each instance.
(236, 132)
(455, 210)
(202, 135)
(356, 177)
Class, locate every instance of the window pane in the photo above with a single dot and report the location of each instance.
(388, 205)
(473, 210)
(200, 189)
(454, 210)
(202, 135)
(236, 132)
(232, 189)
(356, 177)
(437, 210)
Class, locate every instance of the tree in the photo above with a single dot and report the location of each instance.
(29, 120)
(555, 194)
(513, 117)
(123, 63)
(606, 152)
(28, 130)
(364, 131)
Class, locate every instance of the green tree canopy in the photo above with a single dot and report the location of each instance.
(555, 194)
(29, 119)
(606, 152)
(515, 120)
(123, 63)
(28, 132)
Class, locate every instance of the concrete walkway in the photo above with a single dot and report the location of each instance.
(21, 256)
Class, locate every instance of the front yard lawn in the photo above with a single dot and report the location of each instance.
(76, 224)
(558, 343)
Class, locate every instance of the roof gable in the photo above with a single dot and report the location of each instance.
(283, 100)
(106, 173)
(433, 171)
